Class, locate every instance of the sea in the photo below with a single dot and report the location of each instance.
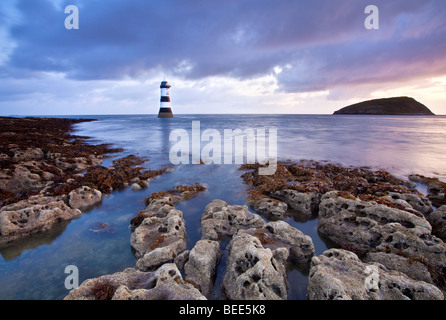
(35, 268)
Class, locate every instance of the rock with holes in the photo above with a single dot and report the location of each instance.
(220, 220)
(412, 268)
(279, 234)
(202, 265)
(438, 221)
(24, 178)
(416, 202)
(254, 272)
(36, 214)
(165, 283)
(366, 226)
(159, 238)
(305, 203)
(271, 208)
(84, 198)
(340, 275)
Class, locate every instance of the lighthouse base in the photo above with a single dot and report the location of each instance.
(165, 113)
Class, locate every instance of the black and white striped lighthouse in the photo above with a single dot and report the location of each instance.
(165, 110)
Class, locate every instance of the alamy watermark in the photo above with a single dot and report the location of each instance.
(72, 280)
(370, 22)
(72, 20)
(248, 146)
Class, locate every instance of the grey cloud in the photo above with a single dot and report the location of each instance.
(325, 42)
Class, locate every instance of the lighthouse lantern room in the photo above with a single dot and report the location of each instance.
(165, 110)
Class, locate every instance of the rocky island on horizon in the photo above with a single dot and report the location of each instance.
(387, 106)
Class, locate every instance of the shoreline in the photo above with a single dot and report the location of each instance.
(49, 175)
(369, 215)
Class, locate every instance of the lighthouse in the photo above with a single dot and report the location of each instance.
(165, 111)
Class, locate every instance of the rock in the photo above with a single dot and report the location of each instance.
(160, 237)
(438, 221)
(139, 185)
(340, 275)
(28, 154)
(30, 217)
(271, 208)
(178, 193)
(202, 265)
(220, 220)
(84, 198)
(101, 228)
(413, 269)
(306, 203)
(279, 234)
(23, 180)
(165, 283)
(181, 259)
(136, 187)
(435, 188)
(366, 226)
(422, 205)
(254, 272)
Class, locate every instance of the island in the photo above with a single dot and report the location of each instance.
(388, 106)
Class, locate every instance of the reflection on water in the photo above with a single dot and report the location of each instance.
(34, 268)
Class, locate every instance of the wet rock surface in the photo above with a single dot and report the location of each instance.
(34, 215)
(84, 198)
(364, 227)
(165, 283)
(380, 218)
(339, 274)
(254, 272)
(201, 266)
(159, 234)
(436, 189)
(40, 159)
(221, 220)
(437, 219)
(258, 260)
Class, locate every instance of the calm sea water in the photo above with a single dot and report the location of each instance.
(34, 269)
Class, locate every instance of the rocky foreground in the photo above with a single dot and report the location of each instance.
(387, 240)
(48, 175)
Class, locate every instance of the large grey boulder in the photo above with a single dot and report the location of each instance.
(340, 275)
(254, 272)
(165, 283)
(221, 220)
(438, 221)
(160, 237)
(412, 268)
(201, 268)
(84, 198)
(305, 203)
(420, 204)
(279, 234)
(36, 214)
(271, 208)
(364, 227)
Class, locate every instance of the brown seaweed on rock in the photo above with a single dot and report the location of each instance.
(313, 176)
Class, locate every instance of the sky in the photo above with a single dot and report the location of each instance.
(220, 56)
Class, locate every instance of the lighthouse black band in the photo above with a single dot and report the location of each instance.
(165, 110)
(165, 99)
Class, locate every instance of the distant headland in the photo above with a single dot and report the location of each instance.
(388, 106)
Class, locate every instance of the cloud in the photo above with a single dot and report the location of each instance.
(318, 45)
